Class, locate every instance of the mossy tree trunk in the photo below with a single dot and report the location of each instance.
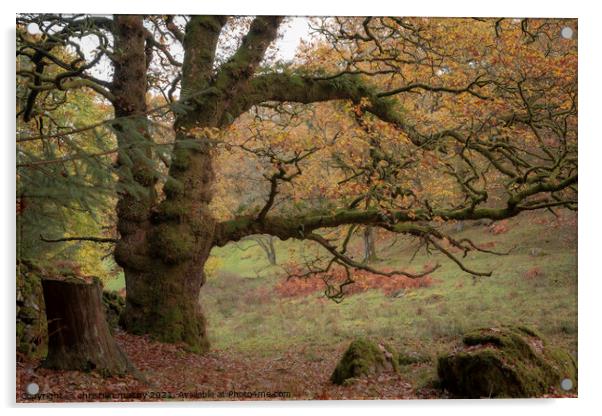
(164, 262)
(78, 334)
(163, 290)
(162, 257)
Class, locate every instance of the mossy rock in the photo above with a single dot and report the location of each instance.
(504, 362)
(364, 357)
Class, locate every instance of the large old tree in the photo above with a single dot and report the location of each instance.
(459, 119)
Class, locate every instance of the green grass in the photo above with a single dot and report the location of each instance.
(116, 283)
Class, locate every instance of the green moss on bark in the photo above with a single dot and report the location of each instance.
(170, 210)
(164, 304)
(181, 159)
(133, 210)
(172, 243)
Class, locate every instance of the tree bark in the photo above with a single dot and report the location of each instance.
(369, 245)
(131, 127)
(78, 334)
(271, 251)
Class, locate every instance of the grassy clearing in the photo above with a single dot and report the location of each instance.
(245, 314)
(535, 285)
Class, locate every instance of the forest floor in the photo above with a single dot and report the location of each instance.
(171, 373)
(278, 339)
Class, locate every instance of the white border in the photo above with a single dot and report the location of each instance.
(590, 289)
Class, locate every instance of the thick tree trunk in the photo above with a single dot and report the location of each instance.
(163, 290)
(164, 303)
(78, 334)
(165, 273)
(164, 247)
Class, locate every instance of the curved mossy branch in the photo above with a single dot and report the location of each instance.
(404, 221)
(174, 29)
(236, 72)
(45, 83)
(91, 239)
(283, 87)
(296, 88)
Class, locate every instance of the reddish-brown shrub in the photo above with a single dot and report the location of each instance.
(298, 287)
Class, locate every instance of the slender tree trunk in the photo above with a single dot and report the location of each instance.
(266, 242)
(78, 334)
(369, 245)
(271, 251)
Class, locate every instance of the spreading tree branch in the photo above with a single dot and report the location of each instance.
(91, 239)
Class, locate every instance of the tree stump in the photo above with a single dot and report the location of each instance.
(78, 334)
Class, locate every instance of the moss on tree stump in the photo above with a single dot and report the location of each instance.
(364, 357)
(504, 362)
